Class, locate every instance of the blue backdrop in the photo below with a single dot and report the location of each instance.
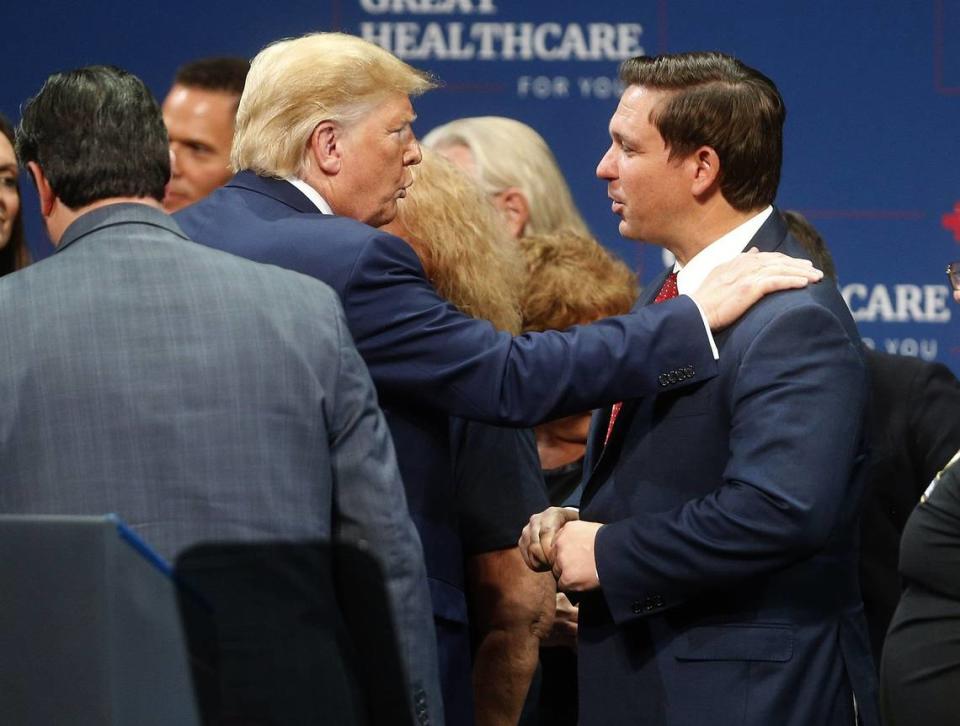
(872, 91)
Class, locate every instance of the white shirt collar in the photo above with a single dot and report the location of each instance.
(310, 193)
(691, 275)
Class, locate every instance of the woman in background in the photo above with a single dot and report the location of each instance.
(525, 184)
(571, 280)
(472, 261)
(13, 249)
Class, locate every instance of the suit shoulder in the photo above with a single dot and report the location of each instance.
(261, 228)
(821, 302)
(273, 281)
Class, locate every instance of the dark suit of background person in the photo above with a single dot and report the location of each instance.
(914, 428)
(920, 671)
(728, 571)
(202, 398)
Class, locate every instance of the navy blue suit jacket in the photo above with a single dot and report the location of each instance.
(728, 572)
(428, 361)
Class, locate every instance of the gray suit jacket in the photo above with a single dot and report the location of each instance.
(203, 398)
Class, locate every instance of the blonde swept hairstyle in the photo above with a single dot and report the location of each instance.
(572, 280)
(295, 84)
(463, 244)
(508, 153)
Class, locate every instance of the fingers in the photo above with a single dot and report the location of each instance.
(537, 539)
(564, 630)
(774, 282)
(530, 548)
(731, 288)
(767, 263)
(566, 610)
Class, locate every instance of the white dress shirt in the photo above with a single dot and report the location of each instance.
(692, 275)
(310, 193)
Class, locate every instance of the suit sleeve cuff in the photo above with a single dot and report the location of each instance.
(706, 327)
(624, 599)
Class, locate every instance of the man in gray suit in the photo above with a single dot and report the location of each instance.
(200, 396)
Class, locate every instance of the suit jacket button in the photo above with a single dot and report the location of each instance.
(652, 602)
(637, 607)
(662, 380)
(672, 376)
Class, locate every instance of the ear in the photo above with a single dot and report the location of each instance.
(704, 169)
(47, 197)
(326, 147)
(516, 209)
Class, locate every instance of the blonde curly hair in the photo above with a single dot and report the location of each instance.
(462, 242)
(572, 280)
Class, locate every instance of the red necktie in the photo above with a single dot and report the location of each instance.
(667, 290)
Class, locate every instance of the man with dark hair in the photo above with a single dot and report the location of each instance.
(715, 548)
(914, 430)
(199, 111)
(201, 397)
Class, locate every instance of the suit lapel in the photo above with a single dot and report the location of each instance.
(600, 455)
(278, 189)
(769, 238)
(771, 235)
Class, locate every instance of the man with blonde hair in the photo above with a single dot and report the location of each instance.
(527, 184)
(323, 148)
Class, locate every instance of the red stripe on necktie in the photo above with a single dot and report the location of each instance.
(667, 291)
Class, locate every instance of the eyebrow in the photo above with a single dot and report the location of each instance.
(8, 167)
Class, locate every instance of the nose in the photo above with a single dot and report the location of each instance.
(606, 168)
(412, 155)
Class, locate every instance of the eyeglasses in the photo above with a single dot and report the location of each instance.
(953, 274)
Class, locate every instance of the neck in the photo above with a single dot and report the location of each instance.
(321, 183)
(62, 216)
(701, 230)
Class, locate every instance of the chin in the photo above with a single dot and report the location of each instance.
(383, 216)
(625, 230)
(175, 204)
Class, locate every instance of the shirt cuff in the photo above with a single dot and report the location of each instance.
(706, 326)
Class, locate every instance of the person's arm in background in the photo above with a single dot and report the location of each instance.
(512, 611)
(499, 485)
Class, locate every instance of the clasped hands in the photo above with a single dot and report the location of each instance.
(557, 540)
